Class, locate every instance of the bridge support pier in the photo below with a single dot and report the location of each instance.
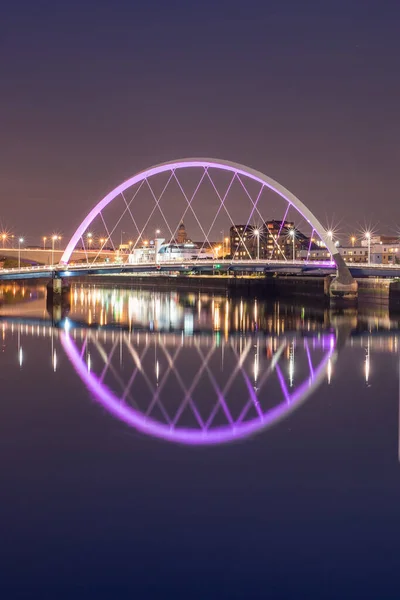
(343, 289)
(58, 293)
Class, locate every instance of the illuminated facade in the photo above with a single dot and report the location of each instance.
(272, 240)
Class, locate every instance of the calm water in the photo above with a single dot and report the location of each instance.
(191, 446)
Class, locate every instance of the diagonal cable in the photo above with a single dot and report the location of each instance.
(189, 202)
(227, 212)
(260, 215)
(206, 238)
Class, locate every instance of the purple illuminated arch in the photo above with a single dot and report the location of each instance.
(219, 435)
(222, 165)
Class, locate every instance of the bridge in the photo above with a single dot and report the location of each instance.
(212, 196)
(194, 267)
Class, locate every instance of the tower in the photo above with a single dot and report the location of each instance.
(181, 237)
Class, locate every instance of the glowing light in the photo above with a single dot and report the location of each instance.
(367, 364)
(191, 436)
(236, 169)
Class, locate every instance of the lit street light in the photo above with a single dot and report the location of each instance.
(353, 240)
(257, 234)
(44, 242)
(292, 234)
(54, 238)
(20, 241)
(368, 237)
(329, 233)
(4, 237)
(226, 246)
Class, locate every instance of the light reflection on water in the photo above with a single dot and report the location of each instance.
(117, 460)
(194, 368)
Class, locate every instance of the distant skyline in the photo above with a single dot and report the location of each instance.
(93, 92)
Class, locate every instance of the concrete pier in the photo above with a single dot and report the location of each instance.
(343, 289)
(58, 292)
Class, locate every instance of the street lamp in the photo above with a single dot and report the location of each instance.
(292, 234)
(329, 233)
(368, 237)
(353, 240)
(54, 238)
(44, 242)
(4, 237)
(20, 241)
(257, 234)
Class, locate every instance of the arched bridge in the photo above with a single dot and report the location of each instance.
(208, 209)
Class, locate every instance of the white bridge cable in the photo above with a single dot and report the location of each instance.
(206, 235)
(152, 212)
(158, 204)
(260, 215)
(188, 201)
(191, 207)
(121, 217)
(130, 212)
(84, 249)
(252, 211)
(216, 214)
(309, 245)
(226, 210)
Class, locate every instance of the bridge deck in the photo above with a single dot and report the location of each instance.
(205, 267)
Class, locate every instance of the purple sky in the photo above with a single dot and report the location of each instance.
(93, 91)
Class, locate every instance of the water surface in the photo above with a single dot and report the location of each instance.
(197, 446)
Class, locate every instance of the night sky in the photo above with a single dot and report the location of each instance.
(93, 91)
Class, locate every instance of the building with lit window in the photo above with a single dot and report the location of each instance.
(273, 240)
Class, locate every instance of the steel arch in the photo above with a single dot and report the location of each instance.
(224, 165)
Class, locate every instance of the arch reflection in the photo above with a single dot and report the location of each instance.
(200, 390)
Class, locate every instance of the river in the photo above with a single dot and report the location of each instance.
(188, 445)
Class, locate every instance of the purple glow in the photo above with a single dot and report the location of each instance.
(310, 365)
(205, 163)
(220, 435)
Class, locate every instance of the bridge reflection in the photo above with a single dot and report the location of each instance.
(196, 369)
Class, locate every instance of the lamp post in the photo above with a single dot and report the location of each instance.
(54, 238)
(44, 242)
(292, 234)
(330, 236)
(227, 249)
(20, 241)
(353, 240)
(257, 234)
(4, 237)
(368, 237)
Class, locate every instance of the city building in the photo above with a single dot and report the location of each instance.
(380, 253)
(273, 240)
